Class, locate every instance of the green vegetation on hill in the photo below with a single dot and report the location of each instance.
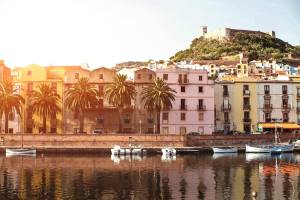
(253, 46)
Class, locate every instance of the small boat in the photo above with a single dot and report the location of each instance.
(117, 150)
(282, 148)
(225, 150)
(258, 149)
(20, 151)
(168, 151)
(297, 144)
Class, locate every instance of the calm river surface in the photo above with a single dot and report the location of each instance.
(69, 176)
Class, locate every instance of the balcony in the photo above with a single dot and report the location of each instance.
(201, 107)
(298, 110)
(183, 81)
(286, 107)
(267, 108)
(246, 107)
(226, 108)
(183, 107)
(246, 92)
(247, 121)
(285, 96)
(226, 122)
(225, 93)
(267, 96)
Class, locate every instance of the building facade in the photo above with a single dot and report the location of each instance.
(193, 109)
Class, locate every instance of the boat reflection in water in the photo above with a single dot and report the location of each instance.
(118, 158)
(168, 158)
(200, 176)
(224, 155)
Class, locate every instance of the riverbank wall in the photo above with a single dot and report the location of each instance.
(88, 143)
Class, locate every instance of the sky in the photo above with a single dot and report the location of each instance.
(103, 33)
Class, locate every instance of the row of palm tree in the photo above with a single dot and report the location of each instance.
(81, 96)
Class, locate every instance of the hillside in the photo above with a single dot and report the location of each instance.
(253, 46)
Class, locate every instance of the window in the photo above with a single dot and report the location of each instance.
(298, 92)
(100, 76)
(53, 130)
(226, 117)
(285, 117)
(29, 73)
(201, 130)
(182, 130)
(185, 80)
(225, 90)
(29, 87)
(267, 89)
(182, 116)
(298, 118)
(165, 116)
(182, 89)
(150, 77)
(200, 104)
(139, 76)
(284, 89)
(76, 75)
(11, 116)
(200, 78)
(101, 103)
(126, 119)
(165, 130)
(201, 116)
(182, 104)
(165, 77)
(200, 89)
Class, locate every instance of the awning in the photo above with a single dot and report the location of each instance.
(279, 125)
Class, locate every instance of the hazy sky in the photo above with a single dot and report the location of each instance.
(102, 33)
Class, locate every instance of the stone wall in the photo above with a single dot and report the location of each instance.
(91, 141)
(236, 140)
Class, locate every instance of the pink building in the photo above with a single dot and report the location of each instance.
(193, 109)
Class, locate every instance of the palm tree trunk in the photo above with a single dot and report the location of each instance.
(6, 122)
(158, 121)
(81, 122)
(120, 120)
(44, 124)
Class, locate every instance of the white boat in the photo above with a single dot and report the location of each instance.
(20, 151)
(297, 144)
(168, 151)
(258, 149)
(225, 150)
(117, 150)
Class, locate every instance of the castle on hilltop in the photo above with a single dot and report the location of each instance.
(228, 33)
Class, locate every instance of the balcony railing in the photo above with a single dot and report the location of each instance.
(183, 80)
(246, 92)
(286, 107)
(247, 120)
(183, 107)
(267, 96)
(285, 96)
(226, 108)
(225, 93)
(246, 107)
(201, 107)
(267, 108)
(227, 122)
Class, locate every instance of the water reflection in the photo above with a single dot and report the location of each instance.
(187, 177)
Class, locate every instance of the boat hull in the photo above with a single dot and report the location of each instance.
(257, 149)
(225, 150)
(20, 151)
(282, 149)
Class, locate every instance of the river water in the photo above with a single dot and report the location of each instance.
(199, 176)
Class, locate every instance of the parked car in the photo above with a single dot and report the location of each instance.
(97, 131)
(193, 134)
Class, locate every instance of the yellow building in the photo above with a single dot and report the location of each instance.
(26, 79)
(236, 104)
